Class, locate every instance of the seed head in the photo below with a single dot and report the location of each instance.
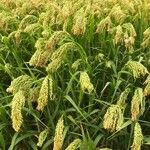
(18, 103)
(43, 95)
(136, 68)
(58, 139)
(85, 82)
(42, 137)
(23, 83)
(74, 145)
(147, 88)
(138, 137)
(137, 104)
(113, 119)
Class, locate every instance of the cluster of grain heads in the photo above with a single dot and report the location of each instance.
(42, 137)
(45, 93)
(136, 68)
(146, 39)
(58, 139)
(23, 82)
(138, 137)
(147, 87)
(113, 118)
(137, 104)
(76, 64)
(17, 104)
(85, 82)
(74, 145)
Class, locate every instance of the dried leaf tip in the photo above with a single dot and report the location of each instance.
(58, 139)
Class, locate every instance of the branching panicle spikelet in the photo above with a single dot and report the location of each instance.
(146, 39)
(58, 139)
(18, 103)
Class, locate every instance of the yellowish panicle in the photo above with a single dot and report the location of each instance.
(74, 145)
(43, 95)
(138, 137)
(113, 119)
(58, 139)
(42, 137)
(136, 68)
(18, 103)
(85, 82)
(147, 87)
(137, 104)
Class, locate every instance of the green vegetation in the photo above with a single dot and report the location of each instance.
(75, 74)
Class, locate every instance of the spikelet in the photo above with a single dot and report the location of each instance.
(85, 82)
(138, 137)
(42, 137)
(123, 97)
(74, 145)
(117, 14)
(113, 119)
(18, 103)
(104, 24)
(136, 68)
(147, 88)
(146, 39)
(58, 139)
(23, 83)
(137, 104)
(80, 22)
(43, 95)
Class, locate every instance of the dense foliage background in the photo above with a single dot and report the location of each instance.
(74, 70)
